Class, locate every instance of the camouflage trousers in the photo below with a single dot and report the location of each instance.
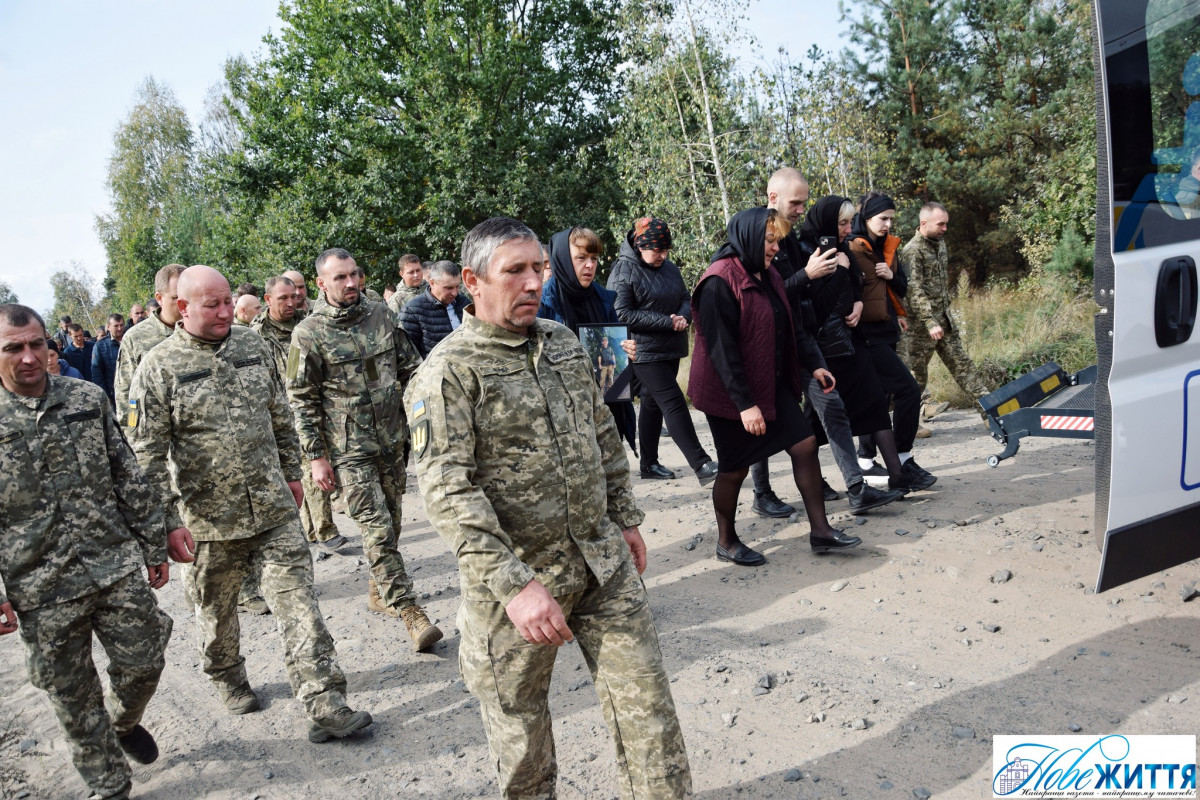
(373, 495)
(917, 350)
(511, 679)
(316, 513)
(133, 631)
(281, 556)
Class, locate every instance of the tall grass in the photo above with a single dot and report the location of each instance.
(1009, 329)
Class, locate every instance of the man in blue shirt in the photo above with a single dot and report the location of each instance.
(78, 351)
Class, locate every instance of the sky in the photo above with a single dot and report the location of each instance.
(69, 70)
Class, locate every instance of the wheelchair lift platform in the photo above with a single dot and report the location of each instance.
(1044, 402)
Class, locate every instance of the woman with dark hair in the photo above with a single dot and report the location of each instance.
(875, 252)
(745, 377)
(653, 302)
(573, 298)
(837, 305)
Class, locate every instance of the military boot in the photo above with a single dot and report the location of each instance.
(424, 633)
(239, 699)
(375, 602)
(342, 722)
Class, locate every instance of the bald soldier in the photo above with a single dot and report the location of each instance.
(275, 324)
(247, 309)
(524, 476)
(303, 307)
(230, 508)
(346, 374)
(77, 555)
(931, 328)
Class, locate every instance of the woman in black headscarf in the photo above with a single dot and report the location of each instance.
(745, 378)
(836, 301)
(876, 252)
(572, 297)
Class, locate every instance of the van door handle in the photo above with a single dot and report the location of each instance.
(1175, 301)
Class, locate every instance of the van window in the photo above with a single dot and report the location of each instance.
(1152, 56)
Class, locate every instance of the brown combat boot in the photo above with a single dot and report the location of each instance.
(375, 602)
(424, 633)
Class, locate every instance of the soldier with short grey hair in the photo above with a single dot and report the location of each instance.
(524, 476)
(74, 554)
(230, 510)
(346, 372)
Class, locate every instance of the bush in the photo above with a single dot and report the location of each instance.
(1010, 329)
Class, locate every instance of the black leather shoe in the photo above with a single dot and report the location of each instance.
(868, 497)
(139, 745)
(769, 505)
(707, 473)
(741, 555)
(657, 471)
(839, 541)
(828, 492)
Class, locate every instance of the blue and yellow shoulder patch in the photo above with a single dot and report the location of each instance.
(419, 426)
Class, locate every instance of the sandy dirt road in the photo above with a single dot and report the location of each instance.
(881, 673)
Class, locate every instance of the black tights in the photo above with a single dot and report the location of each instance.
(885, 442)
(806, 470)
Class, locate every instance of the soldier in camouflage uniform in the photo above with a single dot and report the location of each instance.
(346, 373)
(229, 507)
(142, 338)
(74, 554)
(412, 283)
(524, 476)
(275, 324)
(303, 307)
(931, 328)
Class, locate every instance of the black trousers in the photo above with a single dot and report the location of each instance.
(905, 392)
(662, 398)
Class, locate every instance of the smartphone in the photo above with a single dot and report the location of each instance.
(827, 243)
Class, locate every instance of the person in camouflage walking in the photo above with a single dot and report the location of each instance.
(525, 477)
(275, 324)
(931, 328)
(74, 554)
(229, 510)
(346, 373)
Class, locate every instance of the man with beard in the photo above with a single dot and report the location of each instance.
(346, 373)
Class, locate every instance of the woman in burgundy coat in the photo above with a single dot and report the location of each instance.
(746, 379)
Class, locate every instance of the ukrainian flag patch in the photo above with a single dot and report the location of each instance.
(418, 409)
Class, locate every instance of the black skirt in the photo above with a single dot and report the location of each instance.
(861, 392)
(737, 449)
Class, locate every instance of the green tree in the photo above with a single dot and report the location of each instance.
(156, 216)
(7, 295)
(77, 295)
(385, 126)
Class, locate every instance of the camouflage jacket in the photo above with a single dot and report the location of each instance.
(278, 335)
(137, 342)
(403, 294)
(76, 512)
(346, 373)
(519, 461)
(213, 431)
(928, 298)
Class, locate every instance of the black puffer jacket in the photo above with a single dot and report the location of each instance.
(426, 322)
(646, 299)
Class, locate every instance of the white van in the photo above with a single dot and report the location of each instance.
(1147, 244)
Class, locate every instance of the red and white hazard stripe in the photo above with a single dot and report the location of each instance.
(1068, 423)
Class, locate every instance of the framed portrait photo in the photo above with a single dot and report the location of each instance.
(610, 362)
